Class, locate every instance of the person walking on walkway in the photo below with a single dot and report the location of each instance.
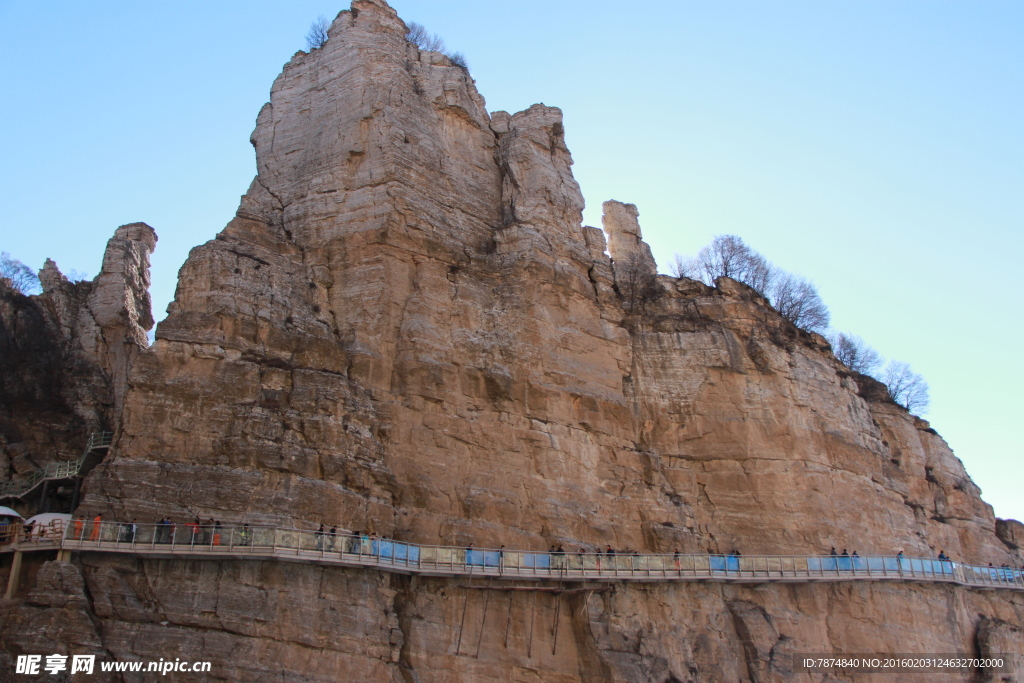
(216, 532)
(330, 538)
(97, 524)
(79, 527)
(320, 538)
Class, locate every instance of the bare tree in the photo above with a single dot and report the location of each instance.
(729, 256)
(797, 300)
(906, 387)
(854, 353)
(419, 36)
(423, 39)
(21, 276)
(684, 267)
(317, 35)
(637, 285)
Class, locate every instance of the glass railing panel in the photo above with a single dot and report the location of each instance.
(537, 561)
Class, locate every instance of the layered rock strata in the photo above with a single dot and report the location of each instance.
(407, 330)
(65, 354)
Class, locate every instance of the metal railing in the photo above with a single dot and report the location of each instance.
(67, 469)
(265, 542)
(98, 440)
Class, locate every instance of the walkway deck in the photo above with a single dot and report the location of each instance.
(295, 545)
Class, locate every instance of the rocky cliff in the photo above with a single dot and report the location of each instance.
(66, 353)
(406, 329)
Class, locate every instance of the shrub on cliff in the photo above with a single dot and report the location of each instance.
(906, 387)
(21, 276)
(317, 35)
(854, 353)
(419, 36)
(797, 300)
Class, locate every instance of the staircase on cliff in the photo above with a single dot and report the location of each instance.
(38, 486)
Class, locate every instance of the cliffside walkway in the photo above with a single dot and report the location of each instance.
(95, 449)
(295, 545)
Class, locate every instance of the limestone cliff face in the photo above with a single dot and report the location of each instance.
(66, 353)
(407, 330)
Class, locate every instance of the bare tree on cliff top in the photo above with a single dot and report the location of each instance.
(729, 256)
(317, 35)
(684, 267)
(854, 353)
(20, 275)
(423, 39)
(906, 387)
(797, 300)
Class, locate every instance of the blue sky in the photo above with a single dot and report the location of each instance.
(873, 147)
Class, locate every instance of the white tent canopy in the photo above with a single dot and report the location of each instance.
(47, 518)
(8, 512)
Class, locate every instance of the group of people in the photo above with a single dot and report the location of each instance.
(325, 539)
(79, 526)
(128, 531)
(210, 532)
(942, 554)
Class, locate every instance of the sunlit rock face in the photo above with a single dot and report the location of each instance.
(407, 330)
(65, 354)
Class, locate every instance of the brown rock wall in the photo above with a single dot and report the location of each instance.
(65, 354)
